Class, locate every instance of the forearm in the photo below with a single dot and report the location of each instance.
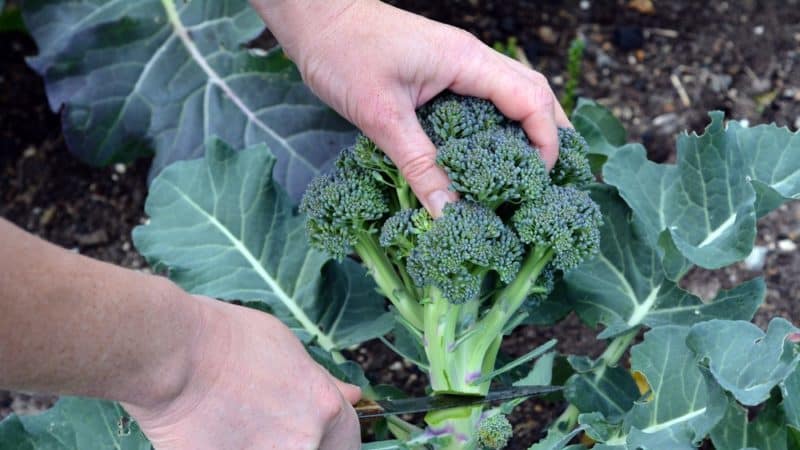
(73, 325)
(293, 22)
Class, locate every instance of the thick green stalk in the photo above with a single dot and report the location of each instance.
(385, 275)
(454, 360)
(511, 297)
(459, 423)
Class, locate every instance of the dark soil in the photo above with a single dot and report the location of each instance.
(659, 72)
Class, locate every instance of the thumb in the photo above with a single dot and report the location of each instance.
(350, 392)
(407, 145)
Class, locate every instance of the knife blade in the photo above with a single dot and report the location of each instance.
(387, 407)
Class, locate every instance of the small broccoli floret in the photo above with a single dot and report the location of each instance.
(563, 219)
(493, 167)
(462, 246)
(341, 205)
(572, 167)
(494, 432)
(450, 116)
(400, 232)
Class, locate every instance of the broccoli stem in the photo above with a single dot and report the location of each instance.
(386, 277)
(511, 297)
(459, 423)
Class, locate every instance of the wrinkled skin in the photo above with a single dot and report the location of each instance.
(252, 387)
(375, 64)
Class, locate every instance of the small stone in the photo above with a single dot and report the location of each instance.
(94, 238)
(786, 245)
(29, 152)
(758, 30)
(797, 123)
(47, 216)
(397, 365)
(640, 55)
(755, 260)
(642, 6)
(120, 168)
(585, 4)
(547, 35)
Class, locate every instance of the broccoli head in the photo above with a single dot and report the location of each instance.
(493, 167)
(494, 432)
(563, 219)
(460, 248)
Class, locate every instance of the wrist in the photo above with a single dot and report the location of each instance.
(168, 355)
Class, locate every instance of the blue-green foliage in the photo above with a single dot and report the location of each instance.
(494, 432)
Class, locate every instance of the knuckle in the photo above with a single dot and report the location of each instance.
(376, 114)
(417, 166)
(330, 404)
(539, 79)
(543, 97)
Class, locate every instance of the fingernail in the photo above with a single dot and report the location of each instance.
(436, 202)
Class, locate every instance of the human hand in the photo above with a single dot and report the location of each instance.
(252, 387)
(375, 64)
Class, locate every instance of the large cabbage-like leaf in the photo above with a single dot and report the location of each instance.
(683, 405)
(596, 387)
(153, 75)
(736, 432)
(73, 424)
(602, 131)
(224, 229)
(624, 286)
(704, 207)
(743, 359)
(790, 389)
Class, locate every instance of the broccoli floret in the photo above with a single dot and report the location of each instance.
(563, 219)
(451, 116)
(572, 167)
(400, 231)
(341, 206)
(494, 432)
(468, 241)
(493, 167)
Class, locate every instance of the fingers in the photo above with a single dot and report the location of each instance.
(520, 94)
(414, 154)
(350, 392)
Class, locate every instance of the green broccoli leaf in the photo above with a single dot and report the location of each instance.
(684, 403)
(624, 286)
(735, 432)
(208, 225)
(790, 389)
(596, 387)
(556, 440)
(704, 208)
(743, 359)
(164, 76)
(602, 131)
(74, 423)
(772, 158)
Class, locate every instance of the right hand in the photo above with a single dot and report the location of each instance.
(252, 387)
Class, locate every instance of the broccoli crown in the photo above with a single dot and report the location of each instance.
(495, 166)
(572, 167)
(452, 116)
(460, 247)
(564, 219)
(342, 204)
(494, 432)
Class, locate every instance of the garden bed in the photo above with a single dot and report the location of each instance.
(632, 61)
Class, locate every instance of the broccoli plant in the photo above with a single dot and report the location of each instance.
(607, 234)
